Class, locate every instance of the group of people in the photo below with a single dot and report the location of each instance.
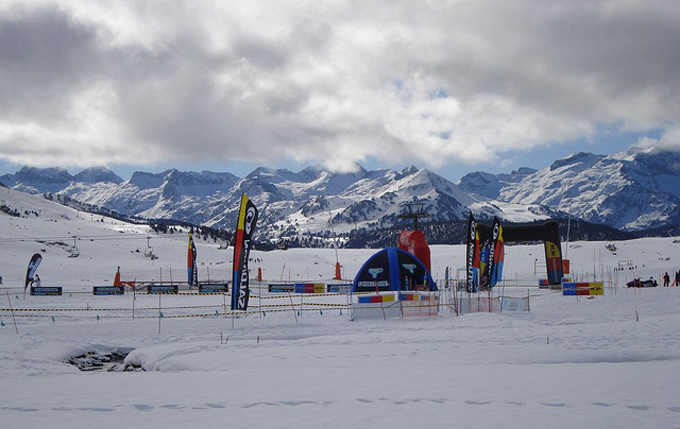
(35, 281)
(667, 279)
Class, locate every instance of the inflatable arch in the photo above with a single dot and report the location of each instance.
(414, 242)
(485, 250)
(393, 269)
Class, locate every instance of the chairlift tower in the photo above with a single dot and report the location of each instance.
(415, 212)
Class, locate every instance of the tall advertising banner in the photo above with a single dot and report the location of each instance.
(491, 258)
(498, 256)
(553, 253)
(245, 226)
(472, 255)
(192, 271)
(32, 268)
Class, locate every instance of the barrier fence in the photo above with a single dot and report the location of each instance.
(295, 298)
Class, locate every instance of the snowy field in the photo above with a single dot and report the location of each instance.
(611, 361)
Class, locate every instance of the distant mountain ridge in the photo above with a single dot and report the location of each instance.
(631, 191)
(310, 206)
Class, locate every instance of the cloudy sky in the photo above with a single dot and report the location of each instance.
(453, 86)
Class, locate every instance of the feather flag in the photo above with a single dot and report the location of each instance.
(498, 255)
(32, 268)
(192, 271)
(245, 226)
(472, 264)
(490, 260)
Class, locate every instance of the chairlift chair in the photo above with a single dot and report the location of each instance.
(73, 252)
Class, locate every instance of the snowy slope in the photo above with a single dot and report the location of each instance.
(608, 362)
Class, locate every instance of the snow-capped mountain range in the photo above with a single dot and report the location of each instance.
(633, 190)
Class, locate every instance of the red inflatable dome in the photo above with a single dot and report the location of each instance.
(414, 242)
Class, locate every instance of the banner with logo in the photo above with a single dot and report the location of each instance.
(192, 271)
(498, 254)
(32, 268)
(245, 226)
(472, 255)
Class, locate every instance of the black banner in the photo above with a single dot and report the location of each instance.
(46, 290)
(213, 288)
(108, 290)
(32, 268)
(472, 255)
(245, 227)
(163, 289)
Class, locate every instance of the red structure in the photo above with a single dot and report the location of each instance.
(414, 242)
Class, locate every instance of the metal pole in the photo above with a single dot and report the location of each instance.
(12, 310)
(159, 313)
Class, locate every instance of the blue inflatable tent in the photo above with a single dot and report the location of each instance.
(393, 269)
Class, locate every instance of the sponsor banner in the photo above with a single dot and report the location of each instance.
(32, 268)
(372, 285)
(192, 270)
(213, 288)
(278, 288)
(163, 289)
(245, 227)
(592, 288)
(310, 288)
(340, 288)
(46, 290)
(373, 299)
(472, 256)
(406, 296)
(108, 290)
(498, 255)
(553, 259)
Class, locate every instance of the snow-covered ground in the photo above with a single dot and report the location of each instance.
(611, 361)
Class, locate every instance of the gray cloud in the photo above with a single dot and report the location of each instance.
(128, 82)
(45, 60)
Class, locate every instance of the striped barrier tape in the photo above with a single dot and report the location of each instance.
(7, 310)
(220, 314)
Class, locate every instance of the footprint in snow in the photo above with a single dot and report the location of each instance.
(603, 404)
(554, 404)
(478, 402)
(674, 409)
(143, 407)
(296, 403)
(95, 409)
(364, 400)
(255, 404)
(639, 407)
